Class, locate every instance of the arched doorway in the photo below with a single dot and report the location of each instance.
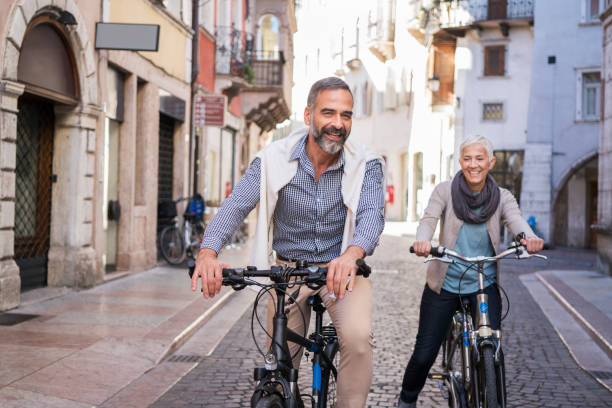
(46, 67)
(575, 206)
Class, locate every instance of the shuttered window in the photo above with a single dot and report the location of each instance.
(494, 64)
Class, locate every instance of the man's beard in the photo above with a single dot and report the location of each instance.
(329, 146)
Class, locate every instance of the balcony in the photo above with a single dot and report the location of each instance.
(266, 102)
(463, 14)
(233, 55)
(268, 68)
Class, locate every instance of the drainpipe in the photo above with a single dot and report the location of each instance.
(194, 142)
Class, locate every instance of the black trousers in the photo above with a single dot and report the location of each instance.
(434, 319)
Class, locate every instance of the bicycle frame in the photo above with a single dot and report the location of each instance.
(278, 357)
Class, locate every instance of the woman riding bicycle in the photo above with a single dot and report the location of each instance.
(471, 209)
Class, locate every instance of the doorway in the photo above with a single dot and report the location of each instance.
(33, 179)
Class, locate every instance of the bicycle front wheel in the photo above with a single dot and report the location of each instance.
(270, 401)
(171, 245)
(489, 380)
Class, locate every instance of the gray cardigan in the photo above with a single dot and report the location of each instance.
(440, 207)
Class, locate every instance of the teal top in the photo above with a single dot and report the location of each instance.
(473, 240)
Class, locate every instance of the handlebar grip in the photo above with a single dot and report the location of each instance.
(411, 249)
(364, 268)
(519, 236)
(437, 251)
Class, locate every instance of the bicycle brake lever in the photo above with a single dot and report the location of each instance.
(444, 259)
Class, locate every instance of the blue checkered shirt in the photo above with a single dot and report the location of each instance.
(309, 216)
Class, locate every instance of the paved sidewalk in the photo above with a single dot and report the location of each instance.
(83, 347)
(578, 303)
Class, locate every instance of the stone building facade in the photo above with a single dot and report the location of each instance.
(50, 107)
(604, 216)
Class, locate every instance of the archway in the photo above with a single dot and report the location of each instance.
(46, 67)
(268, 37)
(575, 205)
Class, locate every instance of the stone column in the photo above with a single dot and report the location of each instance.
(536, 194)
(72, 260)
(10, 282)
(127, 153)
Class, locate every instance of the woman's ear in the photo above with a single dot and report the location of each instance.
(492, 163)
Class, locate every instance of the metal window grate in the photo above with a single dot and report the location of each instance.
(492, 111)
(33, 177)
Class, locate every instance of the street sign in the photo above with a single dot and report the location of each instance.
(209, 110)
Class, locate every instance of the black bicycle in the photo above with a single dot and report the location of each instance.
(473, 365)
(177, 241)
(277, 381)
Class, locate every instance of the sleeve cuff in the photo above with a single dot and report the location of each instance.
(212, 243)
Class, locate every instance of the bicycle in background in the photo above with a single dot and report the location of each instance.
(177, 241)
(472, 357)
(277, 381)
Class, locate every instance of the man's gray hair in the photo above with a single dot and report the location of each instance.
(477, 139)
(324, 85)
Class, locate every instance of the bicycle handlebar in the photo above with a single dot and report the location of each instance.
(313, 276)
(444, 253)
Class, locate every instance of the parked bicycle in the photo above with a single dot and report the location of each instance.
(472, 357)
(277, 381)
(178, 241)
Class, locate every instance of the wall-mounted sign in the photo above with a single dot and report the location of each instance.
(209, 110)
(133, 37)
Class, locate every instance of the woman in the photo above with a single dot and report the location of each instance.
(471, 208)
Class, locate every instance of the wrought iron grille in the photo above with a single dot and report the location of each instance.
(33, 178)
(234, 50)
(268, 68)
(458, 13)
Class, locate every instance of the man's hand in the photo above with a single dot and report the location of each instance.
(533, 245)
(210, 269)
(339, 269)
(422, 248)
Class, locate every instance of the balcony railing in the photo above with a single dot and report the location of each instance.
(461, 13)
(268, 68)
(234, 49)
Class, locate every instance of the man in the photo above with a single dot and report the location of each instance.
(320, 200)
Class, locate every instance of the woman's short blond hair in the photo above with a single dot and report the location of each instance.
(477, 139)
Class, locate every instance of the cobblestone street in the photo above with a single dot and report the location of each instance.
(540, 371)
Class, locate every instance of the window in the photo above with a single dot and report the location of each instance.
(591, 9)
(588, 95)
(492, 111)
(494, 64)
(508, 170)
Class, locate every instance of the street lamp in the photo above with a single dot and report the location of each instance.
(433, 84)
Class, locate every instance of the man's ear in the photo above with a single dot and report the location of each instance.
(307, 116)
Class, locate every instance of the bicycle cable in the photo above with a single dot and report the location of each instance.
(266, 289)
(488, 279)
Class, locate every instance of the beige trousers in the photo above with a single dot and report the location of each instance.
(352, 318)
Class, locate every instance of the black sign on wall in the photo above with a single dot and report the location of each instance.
(133, 37)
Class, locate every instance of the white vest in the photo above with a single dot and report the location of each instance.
(277, 170)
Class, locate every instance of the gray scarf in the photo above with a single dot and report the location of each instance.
(465, 201)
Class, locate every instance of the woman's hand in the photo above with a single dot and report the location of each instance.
(533, 245)
(422, 248)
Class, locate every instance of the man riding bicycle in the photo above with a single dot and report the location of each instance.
(471, 210)
(321, 200)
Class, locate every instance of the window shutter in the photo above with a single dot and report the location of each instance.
(495, 60)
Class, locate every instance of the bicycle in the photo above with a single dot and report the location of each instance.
(177, 241)
(472, 357)
(277, 381)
